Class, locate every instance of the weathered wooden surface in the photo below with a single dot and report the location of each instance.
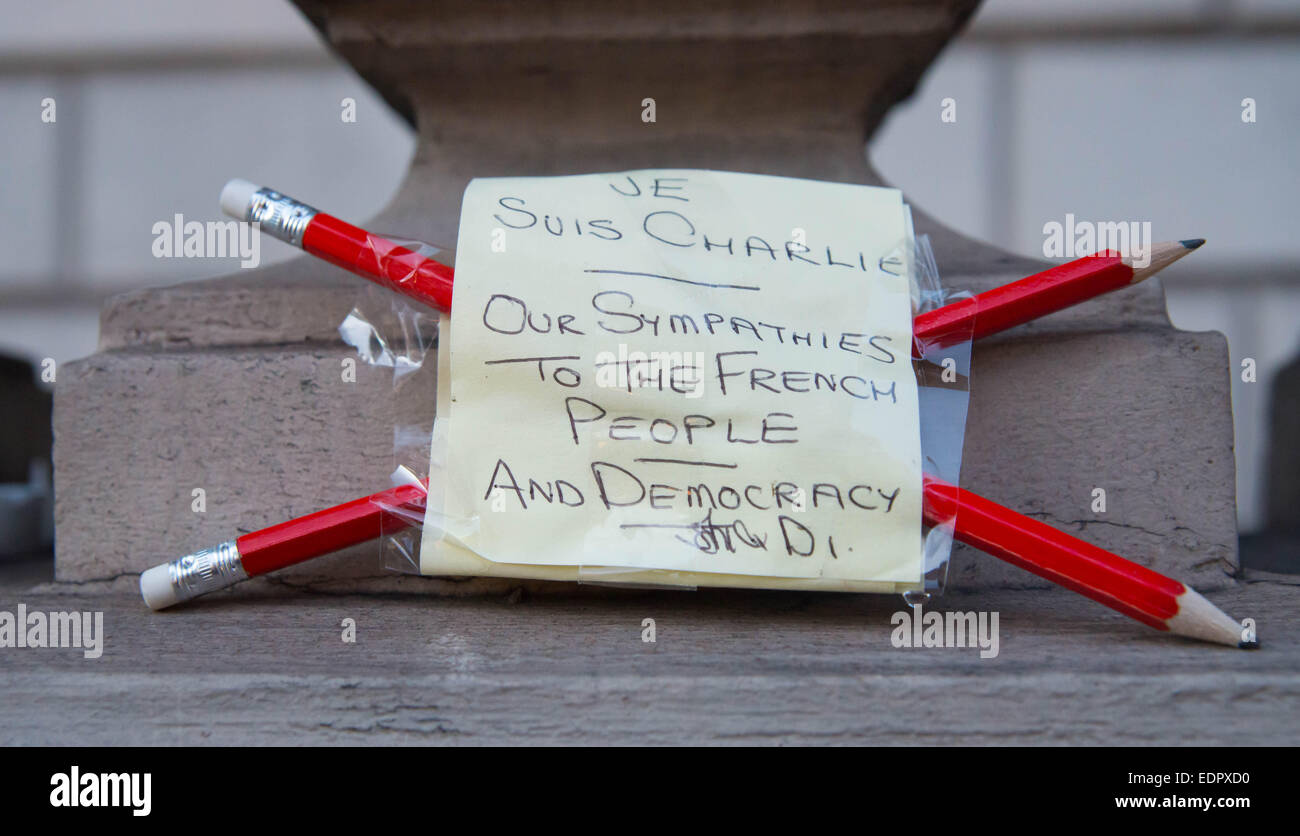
(728, 667)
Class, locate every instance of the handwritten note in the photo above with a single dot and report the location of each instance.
(687, 377)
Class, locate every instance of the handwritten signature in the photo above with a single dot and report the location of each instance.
(711, 538)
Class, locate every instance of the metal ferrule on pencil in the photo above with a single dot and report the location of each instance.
(279, 215)
(193, 575)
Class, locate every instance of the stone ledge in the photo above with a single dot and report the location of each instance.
(272, 433)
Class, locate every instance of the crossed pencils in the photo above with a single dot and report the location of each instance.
(1127, 587)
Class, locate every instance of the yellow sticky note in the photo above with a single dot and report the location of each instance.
(679, 376)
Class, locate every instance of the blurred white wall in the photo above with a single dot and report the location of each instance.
(157, 103)
(1107, 109)
(1120, 111)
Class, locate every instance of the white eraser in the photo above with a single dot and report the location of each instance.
(403, 475)
(235, 197)
(156, 588)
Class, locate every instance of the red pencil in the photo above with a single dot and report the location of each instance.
(1043, 293)
(278, 546)
(340, 243)
(430, 282)
(1105, 577)
(1124, 586)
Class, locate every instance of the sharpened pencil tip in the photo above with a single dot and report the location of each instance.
(1248, 645)
(1192, 243)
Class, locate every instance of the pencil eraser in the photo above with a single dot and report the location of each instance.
(235, 197)
(156, 587)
